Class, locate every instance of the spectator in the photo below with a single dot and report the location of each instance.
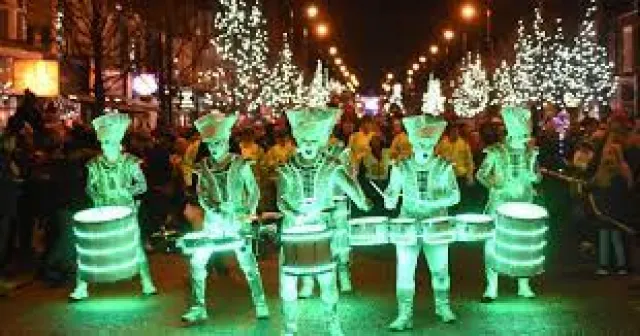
(400, 146)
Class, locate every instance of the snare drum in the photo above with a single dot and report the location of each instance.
(202, 240)
(369, 231)
(520, 239)
(438, 230)
(403, 231)
(306, 250)
(474, 227)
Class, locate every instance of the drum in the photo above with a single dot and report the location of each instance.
(342, 210)
(520, 239)
(474, 227)
(216, 243)
(107, 243)
(369, 231)
(306, 250)
(403, 231)
(438, 230)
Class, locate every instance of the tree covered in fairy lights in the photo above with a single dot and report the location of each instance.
(504, 93)
(432, 100)
(319, 93)
(555, 86)
(471, 94)
(590, 77)
(242, 44)
(280, 88)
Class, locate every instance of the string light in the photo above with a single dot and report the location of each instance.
(471, 95)
(280, 86)
(432, 100)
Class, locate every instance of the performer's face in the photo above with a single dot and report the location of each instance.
(308, 148)
(424, 146)
(218, 148)
(111, 149)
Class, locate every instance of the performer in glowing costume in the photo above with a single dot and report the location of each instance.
(509, 172)
(115, 178)
(228, 192)
(340, 216)
(305, 190)
(428, 186)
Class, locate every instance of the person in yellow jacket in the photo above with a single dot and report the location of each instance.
(359, 143)
(400, 146)
(249, 149)
(456, 150)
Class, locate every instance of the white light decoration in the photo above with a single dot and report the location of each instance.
(396, 96)
(504, 93)
(471, 94)
(241, 41)
(590, 77)
(557, 66)
(319, 93)
(186, 99)
(432, 100)
(279, 89)
(145, 84)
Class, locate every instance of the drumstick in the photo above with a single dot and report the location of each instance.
(376, 188)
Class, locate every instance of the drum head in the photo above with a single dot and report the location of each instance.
(304, 229)
(521, 210)
(402, 221)
(437, 220)
(102, 214)
(368, 220)
(473, 218)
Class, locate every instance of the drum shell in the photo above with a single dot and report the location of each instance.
(306, 256)
(516, 248)
(369, 231)
(403, 232)
(438, 232)
(469, 231)
(121, 236)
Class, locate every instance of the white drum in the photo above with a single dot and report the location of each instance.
(474, 227)
(520, 239)
(369, 231)
(438, 230)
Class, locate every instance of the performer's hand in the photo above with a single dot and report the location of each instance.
(389, 203)
(368, 205)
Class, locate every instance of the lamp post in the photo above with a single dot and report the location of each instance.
(468, 13)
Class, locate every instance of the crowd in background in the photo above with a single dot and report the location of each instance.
(42, 175)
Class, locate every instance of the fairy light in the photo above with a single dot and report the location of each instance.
(471, 94)
(280, 86)
(432, 100)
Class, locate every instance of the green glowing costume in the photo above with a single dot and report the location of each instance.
(228, 192)
(115, 178)
(509, 172)
(340, 216)
(306, 185)
(428, 186)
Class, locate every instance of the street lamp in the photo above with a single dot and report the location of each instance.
(422, 59)
(333, 51)
(390, 76)
(338, 61)
(416, 66)
(410, 72)
(448, 34)
(434, 49)
(312, 11)
(468, 12)
(322, 30)
(343, 68)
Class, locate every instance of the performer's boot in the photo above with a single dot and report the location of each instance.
(491, 292)
(80, 292)
(290, 317)
(333, 320)
(344, 277)
(257, 294)
(308, 283)
(197, 313)
(443, 309)
(524, 290)
(145, 279)
(404, 321)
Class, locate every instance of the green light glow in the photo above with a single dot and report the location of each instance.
(305, 236)
(519, 263)
(102, 214)
(474, 218)
(532, 233)
(518, 210)
(108, 251)
(367, 231)
(308, 270)
(526, 248)
(106, 234)
(108, 268)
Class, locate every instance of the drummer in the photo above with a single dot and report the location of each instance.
(115, 178)
(306, 186)
(228, 192)
(428, 186)
(509, 171)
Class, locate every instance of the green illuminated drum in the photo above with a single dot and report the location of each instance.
(403, 231)
(107, 243)
(474, 227)
(306, 250)
(438, 230)
(369, 231)
(520, 239)
(193, 241)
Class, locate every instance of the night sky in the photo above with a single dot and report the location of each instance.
(377, 36)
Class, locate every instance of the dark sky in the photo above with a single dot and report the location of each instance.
(377, 36)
